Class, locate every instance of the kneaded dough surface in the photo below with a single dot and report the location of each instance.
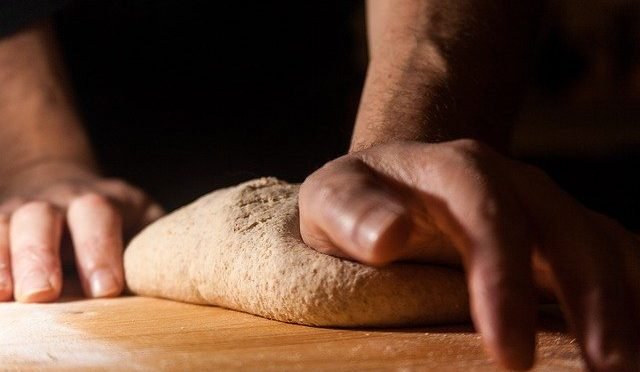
(240, 248)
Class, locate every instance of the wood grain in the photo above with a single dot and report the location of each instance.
(136, 333)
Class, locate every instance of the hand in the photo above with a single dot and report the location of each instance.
(508, 224)
(98, 213)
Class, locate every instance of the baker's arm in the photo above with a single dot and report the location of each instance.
(48, 177)
(444, 69)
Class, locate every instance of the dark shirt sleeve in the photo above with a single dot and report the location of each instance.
(16, 14)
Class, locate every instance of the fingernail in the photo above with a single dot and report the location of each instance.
(35, 287)
(103, 284)
(376, 222)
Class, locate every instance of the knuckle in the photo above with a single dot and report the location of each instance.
(501, 211)
(465, 157)
(329, 192)
(11, 204)
(121, 188)
(37, 206)
(340, 187)
(489, 209)
(92, 200)
(67, 188)
(471, 148)
(336, 193)
(317, 187)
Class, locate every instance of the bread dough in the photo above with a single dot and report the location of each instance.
(240, 248)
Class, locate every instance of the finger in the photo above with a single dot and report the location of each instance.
(462, 186)
(589, 272)
(6, 284)
(346, 211)
(96, 231)
(35, 231)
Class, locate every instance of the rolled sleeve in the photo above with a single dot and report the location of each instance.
(15, 14)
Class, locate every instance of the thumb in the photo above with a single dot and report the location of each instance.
(346, 209)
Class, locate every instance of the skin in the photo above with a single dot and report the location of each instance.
(50, 186)
(512, 229)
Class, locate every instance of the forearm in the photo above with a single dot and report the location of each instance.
(38, 123)
(444, 69)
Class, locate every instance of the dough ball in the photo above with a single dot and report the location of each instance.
(240, 248)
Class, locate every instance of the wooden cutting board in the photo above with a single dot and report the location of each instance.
(136, 333)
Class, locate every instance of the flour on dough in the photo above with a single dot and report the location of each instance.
(240, 248)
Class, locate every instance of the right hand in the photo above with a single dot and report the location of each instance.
(99, 214)
(509, 225)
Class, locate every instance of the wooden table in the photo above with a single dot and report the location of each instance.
(136, 333)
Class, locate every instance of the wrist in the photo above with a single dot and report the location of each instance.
(419, 95)
(400, 99)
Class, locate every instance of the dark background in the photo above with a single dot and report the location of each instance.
(182, 97)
